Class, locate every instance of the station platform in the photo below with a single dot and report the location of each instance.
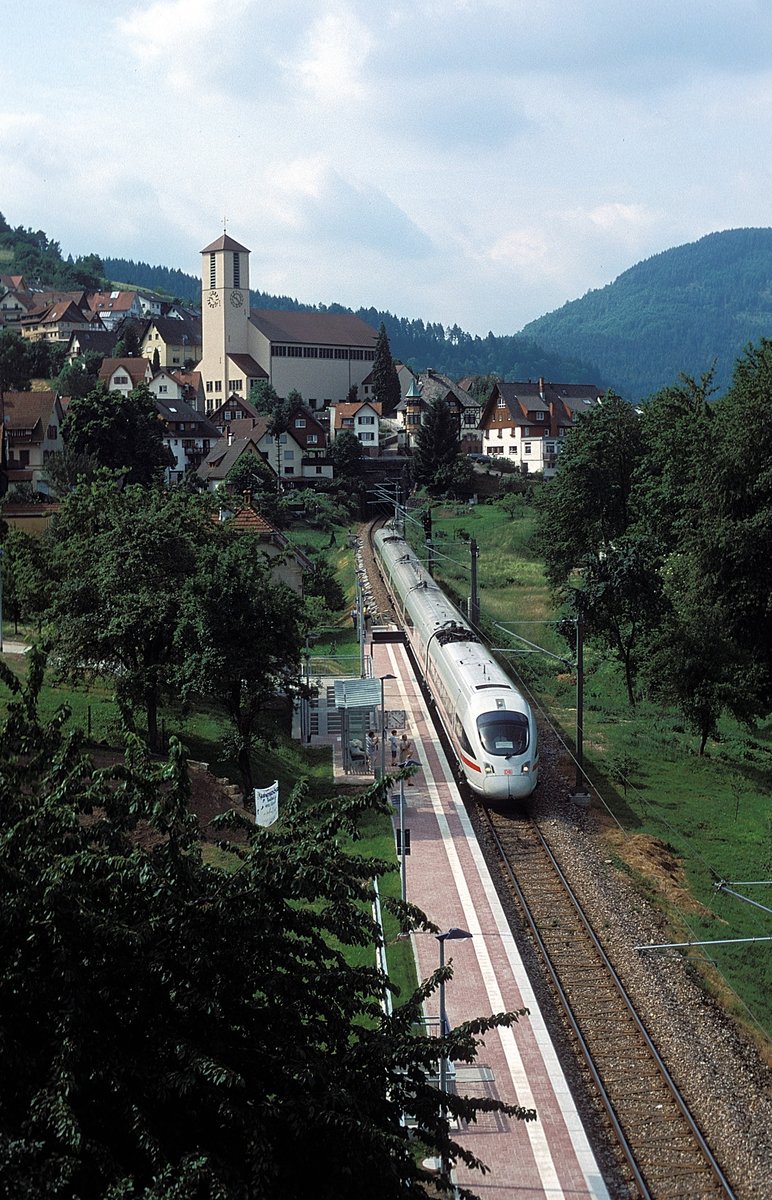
(446, 876)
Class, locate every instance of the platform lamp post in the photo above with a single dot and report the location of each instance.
(450, 935)
(383, 725)
(1, 599)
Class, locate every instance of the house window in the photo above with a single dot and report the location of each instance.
(501, 402)
(120, 379)
(289, 470)
(357, 355)
(526, 432)
(319, 470)
(218, 385)
(279, 351)
(512, 450)
(540, 416)
(325, 352)
(310, 352)
(367, 420)
(341, 353)
(348, 422)
(289, 455)
(367, 437)
(236, 385)
(369, 355)
(227, 415)
(24, 458)
(52, 432)
(527, 448)
(282, 439)
(162, 389)
(550, 447)
(300, 423)
(175, 358)
(209, 385)
(312, 439)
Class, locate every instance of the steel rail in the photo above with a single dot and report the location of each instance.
(626, 1147)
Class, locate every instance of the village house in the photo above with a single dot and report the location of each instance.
(297, 455)
(225, 454)
(57, 322)
(114, 307)
(288, 563)
(187, 434)
(429, 387)
(363, 419)
(124, 374)
(30, 434)
(177, 341)
(527, 422)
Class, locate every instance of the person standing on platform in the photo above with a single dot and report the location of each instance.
(394, 747)
(371, 746)
(407, 755)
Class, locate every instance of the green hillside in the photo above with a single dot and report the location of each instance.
(676, 312)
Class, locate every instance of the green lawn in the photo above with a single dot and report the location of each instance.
(686, 820)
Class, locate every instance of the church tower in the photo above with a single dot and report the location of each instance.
(224, 314)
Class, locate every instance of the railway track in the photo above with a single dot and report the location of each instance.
(665, 1154)
(665, 1151)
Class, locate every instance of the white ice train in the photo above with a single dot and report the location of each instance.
(489, 723)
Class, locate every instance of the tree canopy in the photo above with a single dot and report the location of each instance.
(121, 431)
(658, 524)
(170, 1030)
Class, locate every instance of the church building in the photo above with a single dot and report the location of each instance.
(319, 354)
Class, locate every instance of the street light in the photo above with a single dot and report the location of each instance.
(450, 935)
(383, 726)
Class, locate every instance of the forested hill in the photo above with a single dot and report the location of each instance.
(676, 312)
(448, 349)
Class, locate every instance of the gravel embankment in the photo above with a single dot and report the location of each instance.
(722, 1074)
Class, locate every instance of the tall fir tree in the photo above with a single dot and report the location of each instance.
(386, 389)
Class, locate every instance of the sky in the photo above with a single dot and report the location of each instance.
(478, 162)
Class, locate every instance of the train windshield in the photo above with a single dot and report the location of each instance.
(503, 733)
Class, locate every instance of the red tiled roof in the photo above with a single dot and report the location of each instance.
(349, 411)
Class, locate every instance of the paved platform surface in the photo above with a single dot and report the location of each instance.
(549, 1159)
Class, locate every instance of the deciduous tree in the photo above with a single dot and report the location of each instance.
(239, 637)
(122, 432)
(169, 1030)
(121, 559)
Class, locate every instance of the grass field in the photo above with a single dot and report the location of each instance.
(678, 823)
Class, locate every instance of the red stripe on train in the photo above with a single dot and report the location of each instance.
(473, 765)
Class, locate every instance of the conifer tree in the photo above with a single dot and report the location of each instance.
(386, 389)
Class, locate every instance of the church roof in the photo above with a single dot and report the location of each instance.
(225, 243)
(320, 329)
(247, 364)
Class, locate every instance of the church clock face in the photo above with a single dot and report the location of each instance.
(237, 299)
(213, 299)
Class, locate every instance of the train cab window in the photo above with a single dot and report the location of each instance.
(503, 733)
(463, 740)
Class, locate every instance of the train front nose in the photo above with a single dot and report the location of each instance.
(510, 783)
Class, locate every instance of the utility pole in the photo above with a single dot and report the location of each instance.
(426, 521)
(579, 786)
(474, 595)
